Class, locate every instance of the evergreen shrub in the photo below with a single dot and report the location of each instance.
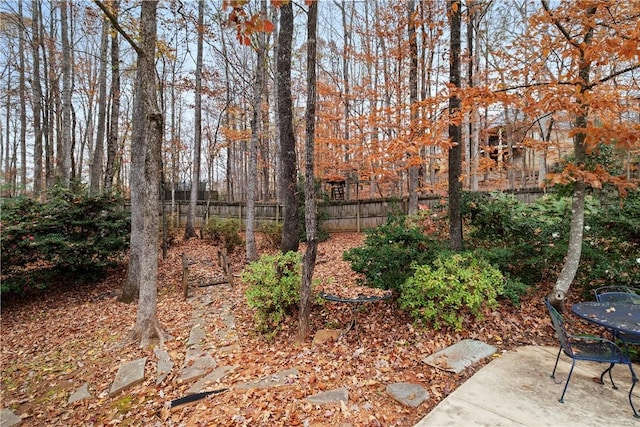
(274, 283)
(223, 231)
(455, 285)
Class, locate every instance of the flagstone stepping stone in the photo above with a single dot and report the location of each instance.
(200, 367)
(408, 394)
(228, 319)
(458, 357)
(226, 335)
(9, 419)
(211, 379)
(329, 397)
(196, 335)
(233, 348)
(79, 394)
(278, 379)
(129, 374)
(165, 364)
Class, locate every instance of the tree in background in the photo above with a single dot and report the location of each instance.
(455, 134)
(288, 162)
(309, 260)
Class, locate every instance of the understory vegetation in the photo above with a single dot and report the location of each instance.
(69, 233)
(524, 243)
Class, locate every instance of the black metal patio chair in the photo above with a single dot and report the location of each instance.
(589, 348)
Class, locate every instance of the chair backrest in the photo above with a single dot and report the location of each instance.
(622, 297)
(558, 325)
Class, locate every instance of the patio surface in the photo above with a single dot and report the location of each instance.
(516, 389)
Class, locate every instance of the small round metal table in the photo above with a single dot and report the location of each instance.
(356, 303)
(623, 318)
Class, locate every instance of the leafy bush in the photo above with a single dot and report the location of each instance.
(390, 249)
(223, 231)
(455, 284)
(70, 231)
(272, 232)
(274, 283)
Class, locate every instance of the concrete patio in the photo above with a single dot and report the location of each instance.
(516, 389)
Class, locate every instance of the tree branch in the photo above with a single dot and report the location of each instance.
(116, 25)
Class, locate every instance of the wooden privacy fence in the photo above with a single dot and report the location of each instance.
(338, 216)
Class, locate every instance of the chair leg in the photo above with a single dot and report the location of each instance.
(553, 374)
(610, 377)
(573, 364)
(634, 380)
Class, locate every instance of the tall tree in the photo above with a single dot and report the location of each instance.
(36, 88)
(146, 144)
(413, 153)
(114, 121)
(256, 136)
(23, 106)
(287, 153)
(309, 177)
(189, 230)
(455, 134)
(96, 176)
(65, 142)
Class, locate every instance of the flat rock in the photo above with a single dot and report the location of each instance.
(233, 348)
(326, 335)
(275, 380)
(408, 394)
(9, 419)
(80, 394)
(199, 368)
(458, 357)
(227, 335)
(129, 374)
(211, 379)
(196, 335)
(165, 364)
(329, 397)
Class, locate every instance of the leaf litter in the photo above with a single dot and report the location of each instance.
(60, 338)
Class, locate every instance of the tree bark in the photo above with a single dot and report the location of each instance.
(190, 230)
(455, 152)
(37, 99)
(112, 139)
(309, 260)
(96, 177)
(64, 153)
(413, 155)
(23, 106)
(256, 134)
(288, 181)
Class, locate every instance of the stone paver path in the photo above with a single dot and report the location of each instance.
(213, 332)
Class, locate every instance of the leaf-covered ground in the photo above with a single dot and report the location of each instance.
(64, 337)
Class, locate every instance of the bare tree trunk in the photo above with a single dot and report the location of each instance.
(190, 231)
(112, 139)
(290, 229)
(413, 155)
(98, 151)
(256, 134)
(455, 152)
(64, 154)
(37, 99)
(309, 181)
(23, 107)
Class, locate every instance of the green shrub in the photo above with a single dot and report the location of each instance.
(274, 283)
(272, 232)
(389, 250)
(456, 284)
(223, 231)
(70, 231)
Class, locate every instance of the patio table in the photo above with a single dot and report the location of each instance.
(355, 305)
(618, 317)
